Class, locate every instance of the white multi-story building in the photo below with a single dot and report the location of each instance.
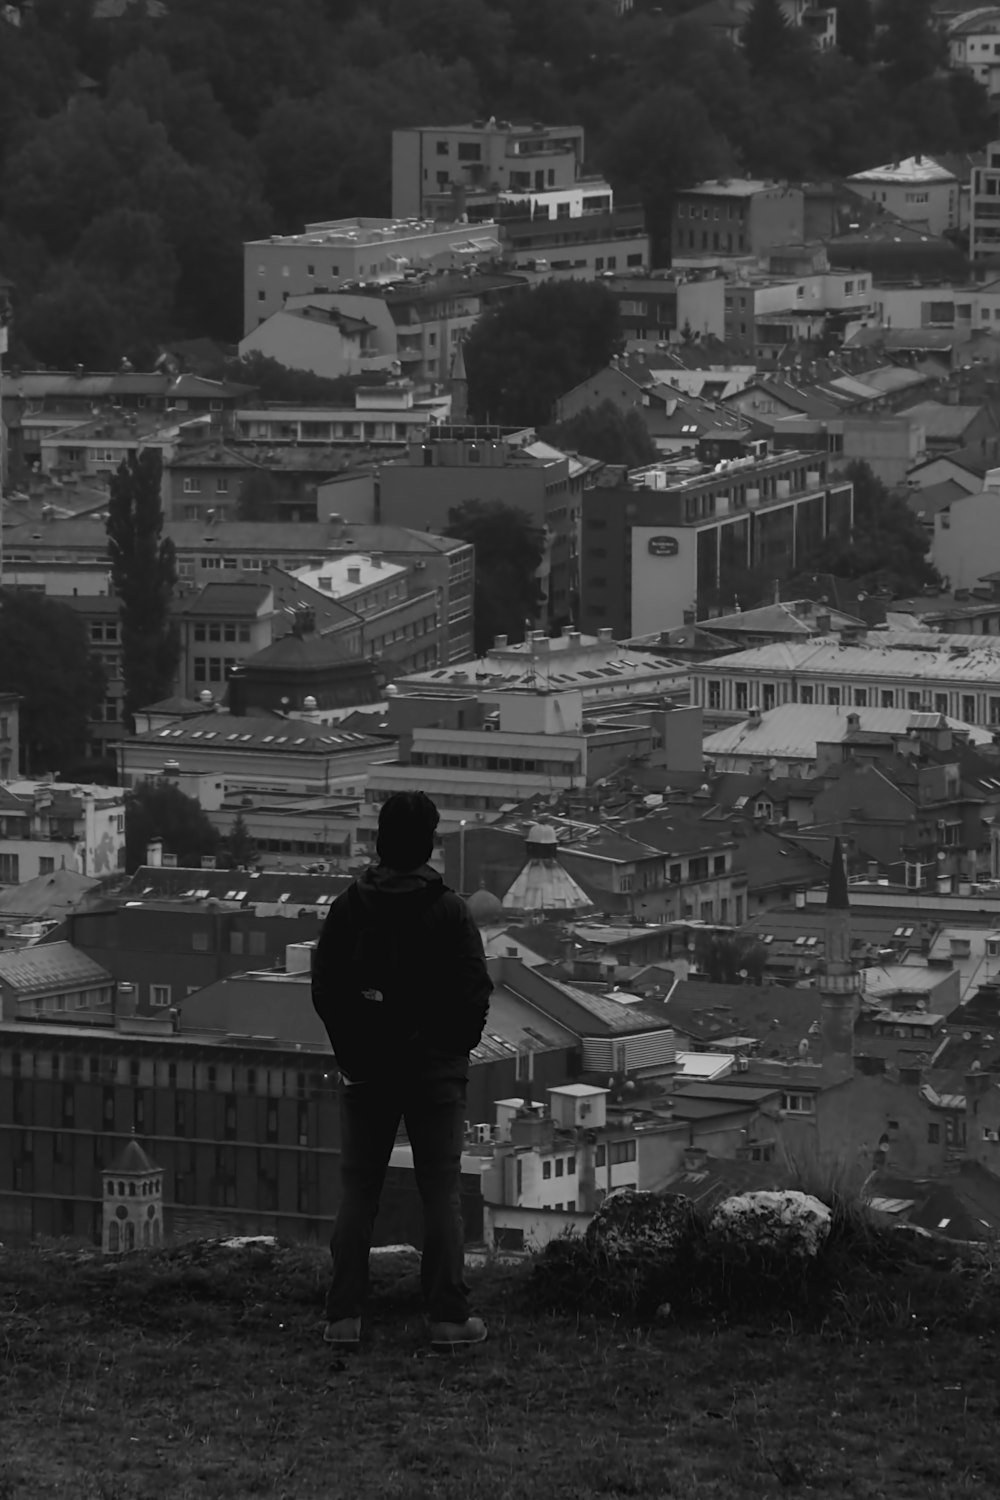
(47, 826)
(984, 207)
(954, 675)
(918, 190)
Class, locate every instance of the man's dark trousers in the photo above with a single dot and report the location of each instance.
(430, 1098)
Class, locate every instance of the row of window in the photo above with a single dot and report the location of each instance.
(71, 1068)
(745, 695)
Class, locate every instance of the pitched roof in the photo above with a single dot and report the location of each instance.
(224, 599)
(46, 895)
(911, 170)
(47, 968)
(939, 420)
(131, 1161)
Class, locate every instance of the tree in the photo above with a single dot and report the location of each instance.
(887, 547)
(258, 497)
(768, 37)
(607, 433)
(855, 29)
(240, 847)
(45, 657)
(530, 349)
(727, 958)
(144, 574)
(274, 381)
(160, 810)
(911, 43)
(509, 552)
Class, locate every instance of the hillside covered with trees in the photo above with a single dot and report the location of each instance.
(137, 153)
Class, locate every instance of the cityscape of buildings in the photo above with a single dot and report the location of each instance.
(736, 865)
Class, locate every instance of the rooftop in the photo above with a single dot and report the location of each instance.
(44, 968)
(912, 169)
(360, 232)
(230, 732)
(730, 187)
(794, 730)
(918, 654)
(343, 576)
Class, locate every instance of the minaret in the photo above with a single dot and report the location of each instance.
(459, 388)
(840, 980)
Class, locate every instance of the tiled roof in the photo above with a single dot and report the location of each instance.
(921, 655)
(939, 420)
(47, 968)
(224, 599)
(718, 1179)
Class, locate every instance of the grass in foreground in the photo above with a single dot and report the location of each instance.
(202, 1372)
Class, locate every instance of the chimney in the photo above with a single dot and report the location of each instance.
(500, 643)
(170, 861)
(208, 861)
(823, 623)
(755, 717)
(354, 575)
(695, 1158)
(154, 853)
(605, 634)
(171, 770)
(124, 1002)
(376, 559)
(689, 616)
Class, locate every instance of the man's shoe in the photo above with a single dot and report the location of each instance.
(344, 1334)
(448, 1336)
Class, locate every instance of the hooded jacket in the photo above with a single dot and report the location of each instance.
(452, 986)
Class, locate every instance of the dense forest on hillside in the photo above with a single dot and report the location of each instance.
(136, 154)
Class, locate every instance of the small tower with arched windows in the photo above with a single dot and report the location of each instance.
(133, 1202)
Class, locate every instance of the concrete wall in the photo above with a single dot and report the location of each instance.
(926, 205)
(314, 344)
(662, 587)
(966, 543)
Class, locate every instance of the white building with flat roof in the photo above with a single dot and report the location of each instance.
(327, 255)
(919, 671)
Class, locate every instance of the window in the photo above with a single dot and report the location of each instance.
(441, 148)
(559, 1166)
(968, 708)
(806, 693)
(888, 698)
(192, 485)
(546, 1170)
(933, 1135)
(797, 1104)
(741, 695)
(622, 1151)
(159, 994)
(715, 695)
(222, 484)
(469, 151)
(860, 697)
(941, 703)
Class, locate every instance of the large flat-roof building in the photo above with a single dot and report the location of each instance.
(328, 254)
(954, 675)
(691, 535)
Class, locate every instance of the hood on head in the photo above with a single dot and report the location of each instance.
(382, 887)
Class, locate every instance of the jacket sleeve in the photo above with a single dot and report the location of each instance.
(470, 977)
(328, 958)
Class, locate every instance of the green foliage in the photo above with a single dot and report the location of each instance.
(274, 381)
(160, 810)
(509, 551)
(240, 848)
(144, 574)
(887, 548)
(607, 433)
(45, 657)
(225, 120)
(725, 958)
(527, 351)
(258, 497)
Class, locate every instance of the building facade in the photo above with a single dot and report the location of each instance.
(693, 535)
(734, 217)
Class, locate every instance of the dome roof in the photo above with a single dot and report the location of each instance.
(485, 909)
(132, 1161)
(542, 833)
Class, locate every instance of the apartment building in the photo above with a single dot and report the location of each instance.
(436, 166)
(953, 675)
(47, 826)
(97, 447)
(733, 217)
(769, 312)
(690, 535)
(660, 868)
(10, 735)
(326, 255)
(984, 207)
(411, 325)
(918, 190)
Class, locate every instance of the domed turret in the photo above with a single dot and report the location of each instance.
(485, 909)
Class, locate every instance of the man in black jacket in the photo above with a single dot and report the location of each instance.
(403, 1052)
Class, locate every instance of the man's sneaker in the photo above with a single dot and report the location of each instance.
(448, 1336)
(344, 1334)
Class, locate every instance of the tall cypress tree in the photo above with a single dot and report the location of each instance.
(144, 574)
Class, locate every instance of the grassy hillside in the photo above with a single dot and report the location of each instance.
(202, 1372)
